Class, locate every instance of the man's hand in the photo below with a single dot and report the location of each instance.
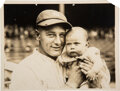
(102, 78)
(86, 66)
(75, 76)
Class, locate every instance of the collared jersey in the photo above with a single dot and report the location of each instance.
(37, 72)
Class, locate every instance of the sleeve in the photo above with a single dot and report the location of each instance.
(24, 79)
(104, 74)
(102, 78)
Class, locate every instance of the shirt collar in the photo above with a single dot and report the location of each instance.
(36, 52)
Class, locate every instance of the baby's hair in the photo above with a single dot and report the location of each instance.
(77, 28)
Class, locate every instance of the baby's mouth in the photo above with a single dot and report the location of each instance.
(74, 54)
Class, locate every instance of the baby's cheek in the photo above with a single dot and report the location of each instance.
(83, 49)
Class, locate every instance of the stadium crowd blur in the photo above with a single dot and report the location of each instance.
(20, 41)
(26, 37)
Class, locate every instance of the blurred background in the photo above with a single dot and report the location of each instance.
(19, 31)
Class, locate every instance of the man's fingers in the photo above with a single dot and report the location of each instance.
(84, 71)
(85, 68)
(86, 65)
(88, 62)
(81, 57)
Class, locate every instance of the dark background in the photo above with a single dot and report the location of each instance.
(85, 15)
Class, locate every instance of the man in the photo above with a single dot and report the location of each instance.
(40, 70)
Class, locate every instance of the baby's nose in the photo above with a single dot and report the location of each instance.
(72, 47)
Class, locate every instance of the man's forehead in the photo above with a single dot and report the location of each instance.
(54, 31)
(56, 28)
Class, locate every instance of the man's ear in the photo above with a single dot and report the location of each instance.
(37, 34)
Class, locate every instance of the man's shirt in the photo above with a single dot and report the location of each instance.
(37, 72)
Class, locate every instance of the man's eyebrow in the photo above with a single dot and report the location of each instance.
(62, 32)
(50, 32)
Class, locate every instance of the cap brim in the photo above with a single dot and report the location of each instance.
(55, 21)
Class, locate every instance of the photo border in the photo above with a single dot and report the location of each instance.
(117, 63)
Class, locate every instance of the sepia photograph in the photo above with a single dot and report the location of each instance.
(59, 46)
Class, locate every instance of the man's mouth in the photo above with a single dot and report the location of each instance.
(56, 48)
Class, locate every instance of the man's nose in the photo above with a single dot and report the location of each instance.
(57, 40)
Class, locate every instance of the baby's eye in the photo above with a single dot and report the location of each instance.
(68, 43)
(76, 43)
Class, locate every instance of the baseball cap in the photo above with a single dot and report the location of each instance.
(50, 17)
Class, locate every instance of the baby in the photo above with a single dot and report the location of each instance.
(76, 50)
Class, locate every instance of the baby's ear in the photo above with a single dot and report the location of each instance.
(88, 44)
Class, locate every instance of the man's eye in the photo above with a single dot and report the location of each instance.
(51, 35)
(62, 35)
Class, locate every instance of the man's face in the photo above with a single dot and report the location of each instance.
(52, 40)
(76, 44)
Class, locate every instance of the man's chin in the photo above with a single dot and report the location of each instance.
(56, 54)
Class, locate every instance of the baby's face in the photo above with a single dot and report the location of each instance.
(76, 44)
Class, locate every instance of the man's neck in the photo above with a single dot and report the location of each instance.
(44, 53)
